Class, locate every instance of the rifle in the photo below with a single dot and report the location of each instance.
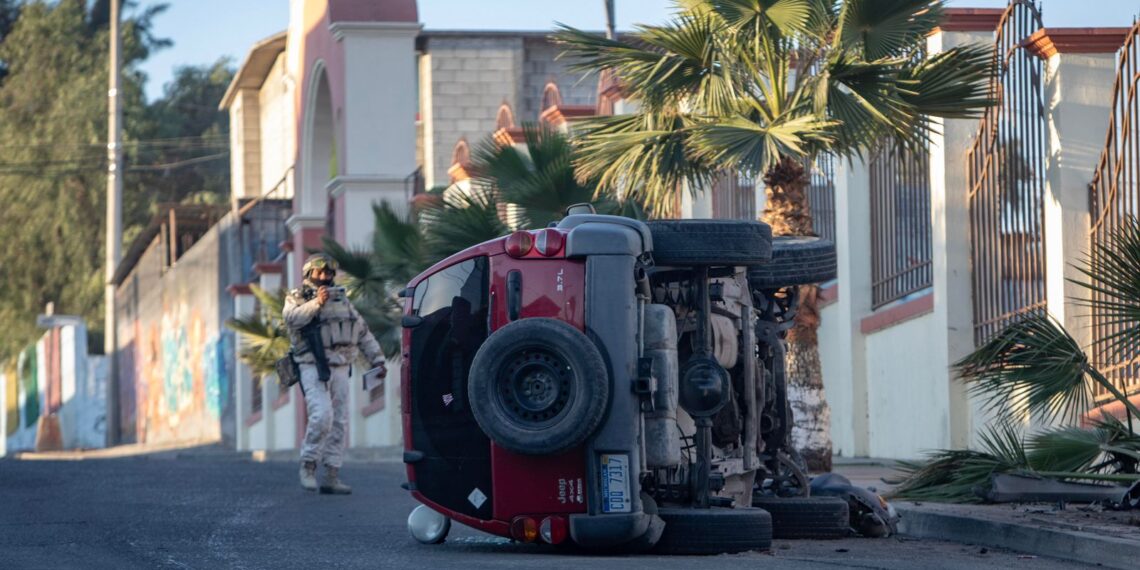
(312, 335)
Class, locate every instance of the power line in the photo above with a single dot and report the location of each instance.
(75, 166)
(187, 162)
(201, 139)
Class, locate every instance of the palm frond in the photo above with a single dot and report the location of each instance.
(1108, 443)
(397, 244)
(745, 145)
(664, 65)
(541, 182)
(262, 335)
(953, 84)
(888, 28)
(1112, 270)
(1032, 366)
(962, 476)
(642, 156)
(788, 17)
(463, 220)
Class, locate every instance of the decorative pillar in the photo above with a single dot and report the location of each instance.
(1080, 68)
(244, 304)
(308, 232)
(379, 124)
(952, 280)
(850, 426)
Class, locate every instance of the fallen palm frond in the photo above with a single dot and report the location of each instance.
(1035, 368)
(962, 475)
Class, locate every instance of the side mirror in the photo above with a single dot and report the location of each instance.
(581, 208)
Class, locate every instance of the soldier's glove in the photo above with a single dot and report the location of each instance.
(381, 364)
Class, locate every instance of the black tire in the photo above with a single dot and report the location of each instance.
(710, 242)
(538, 387)
(714, 530)
(801, 517)
(795, 261)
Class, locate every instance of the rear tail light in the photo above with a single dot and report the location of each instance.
(549, 242)
(553, 530)
(519, 244)
(524, 529)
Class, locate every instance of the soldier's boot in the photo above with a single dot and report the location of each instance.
(309, 475)
(332, 484)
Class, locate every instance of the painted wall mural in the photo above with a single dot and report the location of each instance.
(175, 378)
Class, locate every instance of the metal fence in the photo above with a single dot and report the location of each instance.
(734, 197)
(821, 196)
(1006, 182)
(901, 246)
(1114, 199)
(262, 231)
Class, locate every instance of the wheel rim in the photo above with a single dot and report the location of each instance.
(535, 386)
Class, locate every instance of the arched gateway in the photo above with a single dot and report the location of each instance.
(354, 64)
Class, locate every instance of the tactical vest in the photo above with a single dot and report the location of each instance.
(339, 328)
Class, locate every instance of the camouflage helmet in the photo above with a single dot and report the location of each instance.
(318, 261)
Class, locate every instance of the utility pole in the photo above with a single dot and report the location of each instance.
(610, 20)
(114, 221)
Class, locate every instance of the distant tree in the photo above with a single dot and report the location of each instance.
(177, 149)
(53, 124)
(9, 11)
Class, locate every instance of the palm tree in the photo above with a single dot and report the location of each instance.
(264, 339)
(1034, 367)
(760, 86)
(540, 182)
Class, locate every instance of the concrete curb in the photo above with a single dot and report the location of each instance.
(1077, 546)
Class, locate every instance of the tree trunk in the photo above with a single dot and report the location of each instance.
(788, 212)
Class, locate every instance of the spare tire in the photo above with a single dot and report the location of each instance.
(796, 260)
(538, 387)
(806, 517)
(710, 242)
(714, 530)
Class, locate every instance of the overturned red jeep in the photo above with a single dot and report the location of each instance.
(611, 384)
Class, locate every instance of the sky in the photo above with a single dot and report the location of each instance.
(205, 30)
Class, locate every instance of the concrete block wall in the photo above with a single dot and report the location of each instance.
(470, 78)
(465, 78)
(542, 66)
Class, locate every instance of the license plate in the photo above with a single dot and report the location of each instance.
(615, 484)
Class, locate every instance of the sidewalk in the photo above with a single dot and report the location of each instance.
(1081, 533)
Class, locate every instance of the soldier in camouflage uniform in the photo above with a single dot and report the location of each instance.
(343, 333)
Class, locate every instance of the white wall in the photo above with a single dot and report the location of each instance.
(277, 127)
(837, 382)
(908, 412)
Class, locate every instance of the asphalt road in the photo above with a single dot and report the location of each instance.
(216, 513)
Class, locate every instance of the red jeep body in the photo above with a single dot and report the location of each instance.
(450, 309)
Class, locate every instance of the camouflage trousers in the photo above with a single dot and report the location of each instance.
(327, 405)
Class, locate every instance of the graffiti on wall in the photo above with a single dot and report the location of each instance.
(175, 378)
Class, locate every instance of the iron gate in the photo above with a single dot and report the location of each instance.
(901, 247)
(1006, 181)
(821, 195)
(1114, 202)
